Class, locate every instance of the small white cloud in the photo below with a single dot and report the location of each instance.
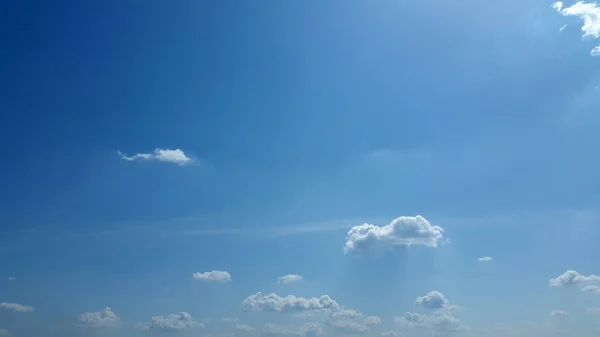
(305, 330)
(433, 300)
(4, 332)
(562, 28)
(438, 323)
(560, 314)
(215, 275)
(571, 277)
(345, 313)
(276, 303)
(589, 13)
(485, 259)
(404, 231)
(16, 307)
(244, 327)
(592, 288)
(102, 319)
(349, 327)
(289, 278)
(372, 320)
(172, 322)
(176, 156)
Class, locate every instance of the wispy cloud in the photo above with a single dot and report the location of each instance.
(485, 259)
(175, 156)
(16, 307)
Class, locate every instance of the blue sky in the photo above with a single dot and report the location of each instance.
(299, 168)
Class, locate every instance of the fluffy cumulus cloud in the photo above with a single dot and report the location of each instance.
(304, 330)
(345, 313)
(101, 319)
(349, 327)
(485, 259)
(173, 322)
(215, 275)
(404, 231)
(164, 155)
(438, 322)
(372, 320)
(276, 303)
(433, 300)
(16, 307)
(573, 278)
(289, 278)
(589, 13)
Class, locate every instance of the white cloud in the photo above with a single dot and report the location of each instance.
(592, 288)
(102, 319)
(173, 322)
(404, 231)
(12, 278)
(274, 302)
(560, 314)
(433, 300)
(16, 307)
(349, 327)
(4, 332)
(589, 13)
(176, 156)
(485, 259)
(308, 329)
(571, 277)
(438, 322)
(289, 278)
(372, 320)
(215, 275)
(244, 327)
(345, 313)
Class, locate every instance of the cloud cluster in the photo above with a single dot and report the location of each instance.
(437, 322)
(589, 13)
(289, 278)
(176, 156)
(16, 307)
(348, 327)
(569, 278)
(173, 322)
(102, 319)
(433, 300)
(276, 303)
(404, 231)
(215, 275)
(372, 320)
